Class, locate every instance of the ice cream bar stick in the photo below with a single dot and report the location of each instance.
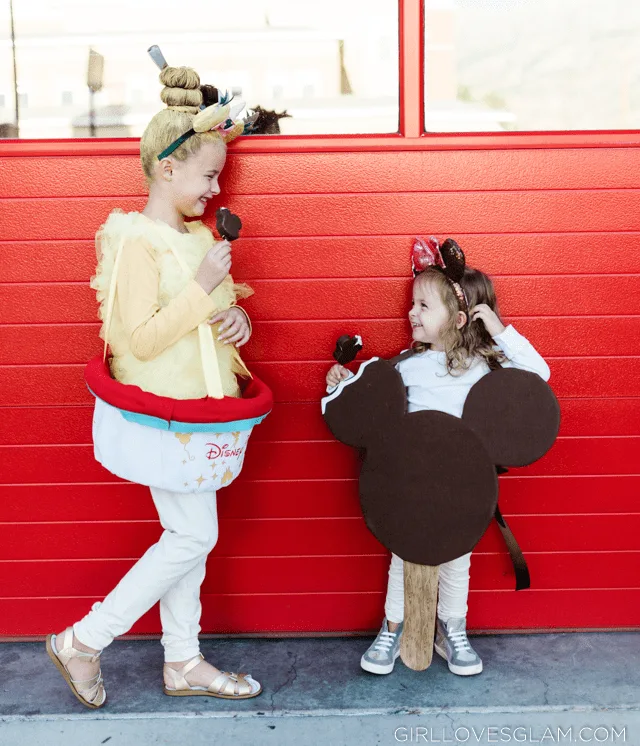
(420, 600)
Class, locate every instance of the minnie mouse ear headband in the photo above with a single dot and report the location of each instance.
(448, 258)
(218, 117)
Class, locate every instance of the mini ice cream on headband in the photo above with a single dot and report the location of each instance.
(216, 116)
(448, 258)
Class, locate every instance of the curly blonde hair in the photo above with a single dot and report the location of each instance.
(472, 341)
(183, 96)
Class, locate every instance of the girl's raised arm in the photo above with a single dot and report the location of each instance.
(521, 353)
(150, 328)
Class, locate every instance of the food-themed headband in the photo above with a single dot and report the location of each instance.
(218, 117)
(448, 258)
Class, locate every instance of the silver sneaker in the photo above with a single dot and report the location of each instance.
(383, 651)
(453, 645)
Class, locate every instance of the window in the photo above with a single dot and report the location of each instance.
(255, 52)
(531, 65)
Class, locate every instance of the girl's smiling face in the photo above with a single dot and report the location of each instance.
(194, 181)
(428, 314)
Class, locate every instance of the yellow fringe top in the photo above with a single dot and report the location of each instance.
(153, 333)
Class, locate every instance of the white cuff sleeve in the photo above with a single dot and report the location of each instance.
(511, 342)
(331, 389)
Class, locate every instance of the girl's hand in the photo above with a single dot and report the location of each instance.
(234, 327)
(215, 266)
(489, 318)
(336, 374)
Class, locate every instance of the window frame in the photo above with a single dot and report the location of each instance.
(410, 135)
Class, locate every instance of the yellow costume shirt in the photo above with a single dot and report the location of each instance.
(153, 333)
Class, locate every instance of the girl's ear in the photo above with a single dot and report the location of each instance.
(461, 319)
(166, 169)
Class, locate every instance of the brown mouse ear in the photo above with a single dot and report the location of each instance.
(515, 414)
(366, 404)
(454, 260)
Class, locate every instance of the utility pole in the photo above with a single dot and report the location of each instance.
(15, 71)
(95, 71)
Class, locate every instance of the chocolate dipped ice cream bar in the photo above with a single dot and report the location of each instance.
(228, 225)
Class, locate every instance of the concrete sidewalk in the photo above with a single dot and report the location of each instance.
(316, 693)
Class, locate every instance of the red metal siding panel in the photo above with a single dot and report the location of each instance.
(340, 214)
(330, 574)
(309, 498)
(63, 344)
(294, 613)
(311, 257)
(454, 171)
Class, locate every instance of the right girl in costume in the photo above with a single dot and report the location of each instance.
(457, 330)
(159, 281)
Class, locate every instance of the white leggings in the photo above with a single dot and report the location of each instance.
(453, 589)
(171, 571)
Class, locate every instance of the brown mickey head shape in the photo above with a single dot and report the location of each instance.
(428, 485)
(428, 488)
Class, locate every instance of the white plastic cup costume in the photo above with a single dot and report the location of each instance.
(169, 460)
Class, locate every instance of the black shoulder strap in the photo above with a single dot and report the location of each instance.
(402, 356)
(523, 579)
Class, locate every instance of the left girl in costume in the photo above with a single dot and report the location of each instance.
(163, 284)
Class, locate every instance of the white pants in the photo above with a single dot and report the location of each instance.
(170, 571)
(453, 589)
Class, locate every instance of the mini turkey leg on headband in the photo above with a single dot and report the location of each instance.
(157, 56)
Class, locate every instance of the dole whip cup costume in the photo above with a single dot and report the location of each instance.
(169, 417)
(169, 411)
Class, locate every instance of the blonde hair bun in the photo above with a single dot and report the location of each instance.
(181, 87)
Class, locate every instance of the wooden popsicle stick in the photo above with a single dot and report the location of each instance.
(420, 601)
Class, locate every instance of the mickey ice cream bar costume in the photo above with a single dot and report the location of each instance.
(428, 484)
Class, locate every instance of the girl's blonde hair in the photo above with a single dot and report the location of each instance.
(183, 97)
(463, 346)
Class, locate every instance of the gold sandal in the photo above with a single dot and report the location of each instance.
(225, 685)
(93, 695)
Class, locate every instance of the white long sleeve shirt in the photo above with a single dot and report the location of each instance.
(430, 386)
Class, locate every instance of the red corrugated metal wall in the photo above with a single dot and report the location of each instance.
(325, 246)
